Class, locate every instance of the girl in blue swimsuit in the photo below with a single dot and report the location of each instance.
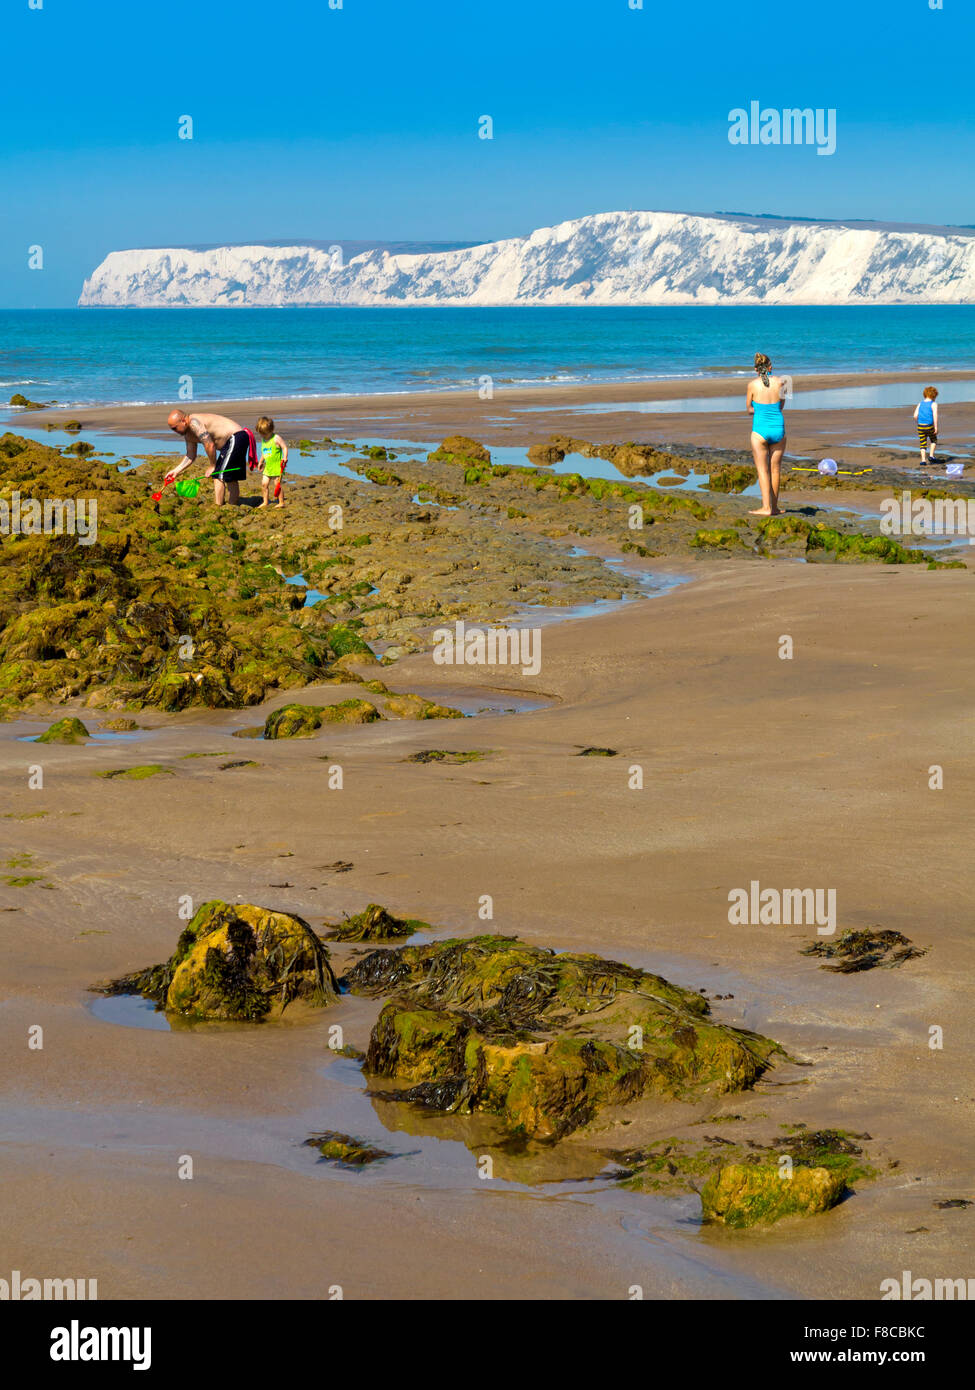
(764, 399)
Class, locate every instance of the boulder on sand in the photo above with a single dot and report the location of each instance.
(238, 962)
(544, 1041)
(301, 721)
(64, 731)
(460, 448)
(746, 1194)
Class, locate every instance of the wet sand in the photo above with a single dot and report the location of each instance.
(526, 415)
(812, 771)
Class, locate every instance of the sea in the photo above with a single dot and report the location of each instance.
(91, 356)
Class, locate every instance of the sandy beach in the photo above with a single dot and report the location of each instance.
(528, 415)
(811, 770)
(494, 831)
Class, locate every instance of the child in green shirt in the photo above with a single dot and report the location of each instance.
(274, 453)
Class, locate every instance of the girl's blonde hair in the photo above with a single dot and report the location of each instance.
(763, 365)
(265, 425)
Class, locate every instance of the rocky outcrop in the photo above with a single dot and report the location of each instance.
(743, 1194)
(301, 721)
(374, 923)
(544, 1041)
(67, 730)
(238, 962)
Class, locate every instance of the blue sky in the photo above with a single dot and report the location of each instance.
(361, 122)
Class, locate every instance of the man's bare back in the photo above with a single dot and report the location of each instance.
(217, 435)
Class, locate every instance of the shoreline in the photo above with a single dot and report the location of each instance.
(870, 437)
(108, 416)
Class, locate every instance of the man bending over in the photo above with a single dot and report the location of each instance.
(226, 445)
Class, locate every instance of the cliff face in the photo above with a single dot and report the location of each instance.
(611, 258)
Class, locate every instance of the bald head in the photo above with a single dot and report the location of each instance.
(178, 421)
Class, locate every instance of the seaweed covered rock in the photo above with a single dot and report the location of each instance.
(301, 721)
(374, 923)
(417, 707)
(293, 721)
(747, 1194)
(175, 690)
(64, 731)
(163, 605)
(238, 962)
(345, 1149)
(460, 449)
(681, 1165)
(344, 640)
(825, 543)
(447, 755)
(544, 455)
(541, 1040)
(732, 477)
(137, 774)
(726, 538)
(631, 459)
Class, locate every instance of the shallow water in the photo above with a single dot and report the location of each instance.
(439, 1153)
(474, 700)
(98, 736)
(312, 596)
(130, 1011)
(883, 395)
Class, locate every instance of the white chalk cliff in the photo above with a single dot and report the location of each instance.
(610, 258)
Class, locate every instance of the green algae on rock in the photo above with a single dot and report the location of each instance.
(375, 923)
(678, 1165)
(724, 539)
(301, 721)
(293, 721)
(744, 1194)
(137, 774)
(165, 608)
(731, 478)
(826, 543)
(544, 1040)
(68, 730)
(238, 962)
(448, 755)
(340, 1148)
(417, 707)
(460, 449)
(120, 725)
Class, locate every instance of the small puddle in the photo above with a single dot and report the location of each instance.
(130, 1011)
(312, 596)
(99, 736)
(474, 700)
